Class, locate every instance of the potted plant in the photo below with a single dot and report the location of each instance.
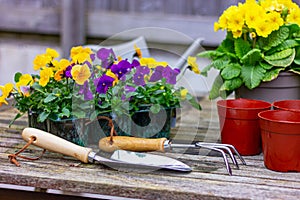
(262, 41)
(78, 90)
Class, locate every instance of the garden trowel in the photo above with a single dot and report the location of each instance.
(119, 159)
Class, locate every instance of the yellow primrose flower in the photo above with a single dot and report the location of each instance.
(294, 16)
(262, 29)
(6, 90)
(274, 19)
(80, 73)
(52, 53)
(193, 64)
(183, 93)
(41, 61)
(24, 80)
(237, 34)
(235, 19)
(45, 75)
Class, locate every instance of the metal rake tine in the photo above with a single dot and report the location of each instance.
(228, 147)
(224, 157)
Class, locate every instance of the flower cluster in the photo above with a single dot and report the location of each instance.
(259, 19)
(262, 40)
(91, 83)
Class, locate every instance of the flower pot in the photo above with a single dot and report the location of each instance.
(239, 124)
(289, 105)
(141, 123)
(285, 86)
(281, 140)
(73, 130)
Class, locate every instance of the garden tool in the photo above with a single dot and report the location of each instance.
(110, 144)
(119, 159)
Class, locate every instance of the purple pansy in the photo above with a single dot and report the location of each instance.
(170, 74)
(68, 71)
(139, 75)
(85, 90)
(157, 74)
(103, 83)
(121, 68)
(107, 57)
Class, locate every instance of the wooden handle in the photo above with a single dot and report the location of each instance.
(131, 144)
(56, 144)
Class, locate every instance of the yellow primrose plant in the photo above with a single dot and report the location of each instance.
(78, 88)
(263, 39)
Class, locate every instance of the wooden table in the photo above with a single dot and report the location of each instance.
(208, 180)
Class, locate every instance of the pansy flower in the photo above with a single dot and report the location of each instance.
(24, 80)
(139, 76)
(103, 83)
(80, 73)
(45, 75)
(85, 90)
(6, 90)
(121, 68)
(192, 65)
(107, 57)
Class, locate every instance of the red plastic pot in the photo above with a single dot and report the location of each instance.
(289, 105)
(239, 124)
(281, 140)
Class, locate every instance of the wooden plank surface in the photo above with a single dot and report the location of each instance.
(208, 180)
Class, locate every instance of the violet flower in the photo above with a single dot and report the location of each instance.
(122, 68)
(170, 74)
(107, 57)
(85, 90)
(103, 83)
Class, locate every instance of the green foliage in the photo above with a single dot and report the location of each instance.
(250, 61)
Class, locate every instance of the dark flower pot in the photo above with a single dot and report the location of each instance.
(281, 140)
(142, 123)
(285, 86)
(239, 124)
(73, 130)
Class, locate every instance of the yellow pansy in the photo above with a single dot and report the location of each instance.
(24, 80)
(52, 53)
(6, 90)
(183, 93)
(152, 63)
(193, 64)
(45, 75)
(63, 64)
(41, 60)
(138, 51)
(80, 73)
(79, 54)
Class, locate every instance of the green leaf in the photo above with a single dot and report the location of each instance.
(252, 57)
(272, 74)
(285, 45)
(15, 118)
(210, 54)
(17, 76)
(231, 85)
(193, 101)
(65, 112)
(231, 71)
(206, 69)
(280, 55)
(252, 75)
(43, 116)
(241, 47)
(274, 39)
(214, 92)
(265, 65)
(155, 108)
(50, 98)
(283, 62)
(220, 63)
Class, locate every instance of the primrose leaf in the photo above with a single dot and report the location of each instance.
(252, 75)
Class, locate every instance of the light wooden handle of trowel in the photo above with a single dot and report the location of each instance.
(56, 144)
(131, 144)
